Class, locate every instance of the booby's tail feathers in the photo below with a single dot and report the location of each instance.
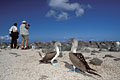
(41, 61)
(94, 73)
(92, 69)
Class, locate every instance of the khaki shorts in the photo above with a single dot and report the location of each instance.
(25, 37)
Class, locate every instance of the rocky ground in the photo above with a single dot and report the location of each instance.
(17, 64)
(66, 46)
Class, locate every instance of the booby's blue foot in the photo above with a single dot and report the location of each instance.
(75, 70)
(71, 71)
(54, 64)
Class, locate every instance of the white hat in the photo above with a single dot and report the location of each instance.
(24, 22)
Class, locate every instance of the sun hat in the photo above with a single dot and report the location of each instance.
(24, 22)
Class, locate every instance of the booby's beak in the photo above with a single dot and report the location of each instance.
(71, 39)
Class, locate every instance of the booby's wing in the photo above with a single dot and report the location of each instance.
(77, 62)
(82, 59)
(48, 56)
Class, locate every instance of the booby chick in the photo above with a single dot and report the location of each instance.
(51, 56)
(78, 60)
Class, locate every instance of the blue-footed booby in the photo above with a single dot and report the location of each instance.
(78, 60)
(51, 56)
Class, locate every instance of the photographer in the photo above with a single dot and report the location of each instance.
(24, 34)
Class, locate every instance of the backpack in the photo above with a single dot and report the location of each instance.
(11, 34)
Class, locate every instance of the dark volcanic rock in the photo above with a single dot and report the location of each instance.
(16, 54)
(87, 57)
(93, 44)
(66, 46)
(82, 44)
(96, 61)
(49, 46)
(86, 50)
(92, 54)
(3, 45)
(115, 49)
(109, 56)
(103, 50)
(43, 77)
(94, 51)
(106, 45)
(117, 59)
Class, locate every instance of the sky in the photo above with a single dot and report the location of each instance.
(62, 19)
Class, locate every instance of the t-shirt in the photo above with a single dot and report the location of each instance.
(13, 28)
(23, 30)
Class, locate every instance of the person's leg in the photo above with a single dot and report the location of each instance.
(22, 42)
(11, 42)
(26, 43)
(15, 43)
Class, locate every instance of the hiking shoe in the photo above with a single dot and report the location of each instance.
(22, 48)
(25, 48)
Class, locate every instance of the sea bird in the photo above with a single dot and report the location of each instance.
(78, 60)
(51, 56)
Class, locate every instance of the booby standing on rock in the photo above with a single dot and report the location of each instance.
(52, 55)
(78, 60)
